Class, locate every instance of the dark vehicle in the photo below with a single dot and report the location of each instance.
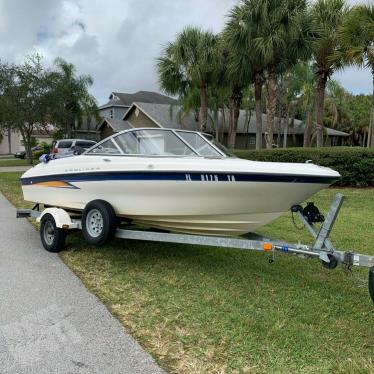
(22, 154)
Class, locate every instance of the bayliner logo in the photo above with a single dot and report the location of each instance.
(81, 169)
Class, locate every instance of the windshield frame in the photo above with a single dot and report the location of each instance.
(174, 131)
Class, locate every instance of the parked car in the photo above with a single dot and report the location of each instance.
(22, 154)
(66, 147)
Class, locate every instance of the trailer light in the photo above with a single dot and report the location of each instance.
(267, 246)
(65, 226)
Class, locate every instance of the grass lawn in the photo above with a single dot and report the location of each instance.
(13, 162)
(211, 310)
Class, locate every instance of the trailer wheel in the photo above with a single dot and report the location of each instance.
(99, 222)
(52, 237)
(332, 264)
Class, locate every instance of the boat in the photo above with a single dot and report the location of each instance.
(175, 180)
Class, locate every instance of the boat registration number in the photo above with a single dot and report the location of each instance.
(212, 178)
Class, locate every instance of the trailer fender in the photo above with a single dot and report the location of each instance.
(61, 218)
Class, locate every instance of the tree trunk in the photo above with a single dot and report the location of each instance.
(10, 140)
(285, 132)
(279, 132)
(370, 142)
(270, 107)
(222, 127)
(235, 102)
(216, 124)
(320, 106)
(203, 114)
(258, 98)
(26, 138)
(307, 130)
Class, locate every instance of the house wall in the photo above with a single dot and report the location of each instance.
(138, 119)
(117, 112)
(105, 132)
(16, 144)
(245, 141)
(43, 139)
(248, 141)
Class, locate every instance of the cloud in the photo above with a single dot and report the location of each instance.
(115, 41)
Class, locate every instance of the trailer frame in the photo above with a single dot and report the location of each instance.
(322, 248)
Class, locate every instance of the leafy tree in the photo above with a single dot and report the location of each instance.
(24, 99)
(328, 15)
(357, 109)
(32, 97)
(189, 62)
(356, 36)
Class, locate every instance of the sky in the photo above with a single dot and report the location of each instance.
(117, 42)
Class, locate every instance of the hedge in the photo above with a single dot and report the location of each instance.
(355, 164)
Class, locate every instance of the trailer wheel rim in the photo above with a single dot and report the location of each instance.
(49, 232)
(94, 223)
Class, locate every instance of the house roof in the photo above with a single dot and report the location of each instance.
(171, 116)
(126, 99)
(116, 124)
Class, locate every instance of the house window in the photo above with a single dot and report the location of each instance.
(252, 140)
(111, 113)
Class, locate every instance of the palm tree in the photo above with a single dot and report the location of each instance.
(244, 62)
(283, 35)
(328, 15)
(71, 92)
(336, 97)
(356, 36)
(189, 62)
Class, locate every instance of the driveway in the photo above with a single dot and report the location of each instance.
(49, 322)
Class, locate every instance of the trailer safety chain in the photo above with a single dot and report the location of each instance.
(295, 209)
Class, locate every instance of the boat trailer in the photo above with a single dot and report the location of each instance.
(322, 248)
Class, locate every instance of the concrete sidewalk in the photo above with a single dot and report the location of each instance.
(7, 169)
(49, 322)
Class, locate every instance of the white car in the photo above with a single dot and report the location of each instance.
(66, 147)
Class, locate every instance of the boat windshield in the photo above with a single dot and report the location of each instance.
(199, 143)
(159, 142)
(153, 143)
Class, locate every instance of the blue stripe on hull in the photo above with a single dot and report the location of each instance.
(179, 176)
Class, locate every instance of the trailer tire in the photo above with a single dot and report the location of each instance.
(52, 237)
(99, 222)
(332, 264)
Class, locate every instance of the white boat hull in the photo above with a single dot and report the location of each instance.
(216, 203)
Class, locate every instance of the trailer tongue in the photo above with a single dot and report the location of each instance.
(56, 222)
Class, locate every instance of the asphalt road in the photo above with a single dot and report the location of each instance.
(49, 322)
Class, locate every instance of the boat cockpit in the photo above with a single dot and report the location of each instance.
(155, 142)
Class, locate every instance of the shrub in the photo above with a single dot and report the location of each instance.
(355, 164)
(46, 148)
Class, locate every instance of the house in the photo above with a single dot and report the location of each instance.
(142, 114)
(11, 141)
(119, 103)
